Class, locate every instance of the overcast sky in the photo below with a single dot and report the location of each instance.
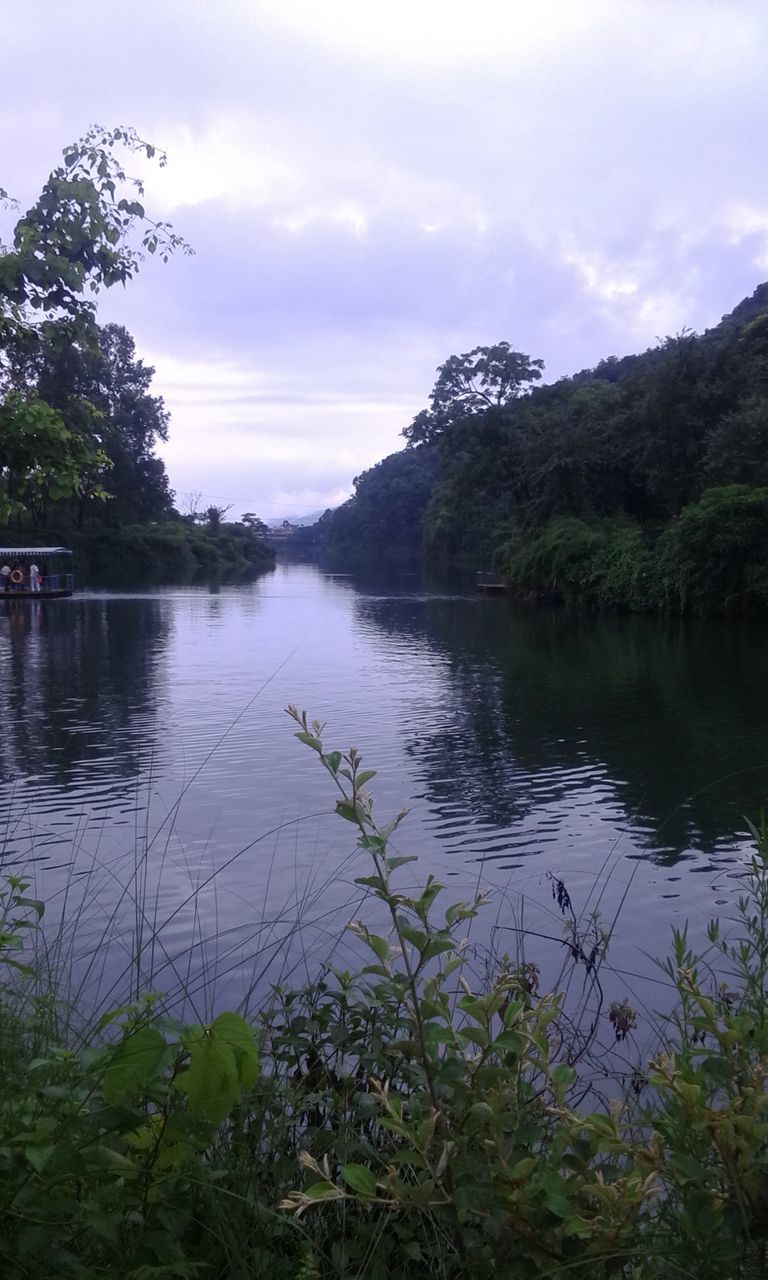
(370, 187)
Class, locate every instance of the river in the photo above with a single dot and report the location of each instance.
(150, 780)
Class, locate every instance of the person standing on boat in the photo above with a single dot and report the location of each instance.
(5, 574)
(34, 578)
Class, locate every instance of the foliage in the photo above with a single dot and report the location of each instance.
(386, 514)
(606, 563)
(715, 557)
(633, 443)
(41, 460)
(413, 1118)
(87, 231)
(170, 552)
(484, 379)
(252, 521)
(81, 233)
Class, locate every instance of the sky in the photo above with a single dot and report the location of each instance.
(371, 187)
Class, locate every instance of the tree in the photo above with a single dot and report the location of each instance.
(737, 449)
(215, 515)
(41, 460)
(87, 231)
(191, 506)
(252, 522)
(81, 233)
(385, 518)
(102, 392)
(471, 384)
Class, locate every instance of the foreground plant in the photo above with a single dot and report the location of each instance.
(412, 1118)
(482, 1165)
(101, 1147)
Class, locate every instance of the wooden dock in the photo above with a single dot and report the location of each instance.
(491, 584)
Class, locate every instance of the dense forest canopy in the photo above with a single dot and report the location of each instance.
(642, 482)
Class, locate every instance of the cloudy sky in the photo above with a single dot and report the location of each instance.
(370, 187)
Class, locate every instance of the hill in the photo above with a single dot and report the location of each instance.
(640, 483)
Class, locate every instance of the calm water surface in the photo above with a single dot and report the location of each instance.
(145, 755)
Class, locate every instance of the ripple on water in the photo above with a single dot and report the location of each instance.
(522, 742)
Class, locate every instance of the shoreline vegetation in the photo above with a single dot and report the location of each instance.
(169, 552)
(639, 484)
(429, 1112)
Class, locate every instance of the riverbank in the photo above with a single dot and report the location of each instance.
(429, 1112)
(175, 551)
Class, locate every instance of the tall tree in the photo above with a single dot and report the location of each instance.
(471, 384)
(88, 230)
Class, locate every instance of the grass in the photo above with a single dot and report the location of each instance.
(392, 1098)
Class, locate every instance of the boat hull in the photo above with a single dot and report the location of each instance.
(12, 597)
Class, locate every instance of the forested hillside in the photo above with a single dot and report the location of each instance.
(640, 483)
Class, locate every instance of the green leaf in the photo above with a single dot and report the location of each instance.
(563, 1076)
(212, 1082)
(416, 937)
(477, 1035)
(359, 1179)
(371, 882)
(459, 911)
(38, 1157)
(136, 1061)
(234, 1031)
(436, 947)
(322, 1191)
(719, 1068)
(509, 1042)
(554, 1199)
(346, 810)
(379, 945)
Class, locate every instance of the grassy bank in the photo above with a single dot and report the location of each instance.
(175, 551)
(431, 1113)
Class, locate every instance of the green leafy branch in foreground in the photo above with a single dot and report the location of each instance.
(484, 1137)
(491, 1163)
(102, 1148)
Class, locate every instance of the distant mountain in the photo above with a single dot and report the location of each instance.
(299, 521)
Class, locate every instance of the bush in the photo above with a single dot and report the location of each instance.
(606, 564)
(714, 558)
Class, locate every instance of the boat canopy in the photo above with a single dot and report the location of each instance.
(15, 553)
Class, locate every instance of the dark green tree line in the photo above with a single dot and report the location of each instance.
(598, 471)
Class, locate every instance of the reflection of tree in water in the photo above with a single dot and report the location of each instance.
(668, 714)
(79, 690)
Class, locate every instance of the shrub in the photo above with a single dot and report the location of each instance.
(714, 558)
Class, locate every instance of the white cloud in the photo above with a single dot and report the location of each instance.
(370, 187)
(746, 222)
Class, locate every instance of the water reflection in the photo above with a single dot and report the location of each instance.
(147, 731)
(661, 721)
(81, 688)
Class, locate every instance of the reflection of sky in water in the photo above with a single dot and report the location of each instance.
(523, 741)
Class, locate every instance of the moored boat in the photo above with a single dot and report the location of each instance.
(491, 583)
(35, 573)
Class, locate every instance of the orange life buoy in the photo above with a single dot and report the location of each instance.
(17, 576)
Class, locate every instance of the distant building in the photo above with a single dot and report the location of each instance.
(282, 531)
